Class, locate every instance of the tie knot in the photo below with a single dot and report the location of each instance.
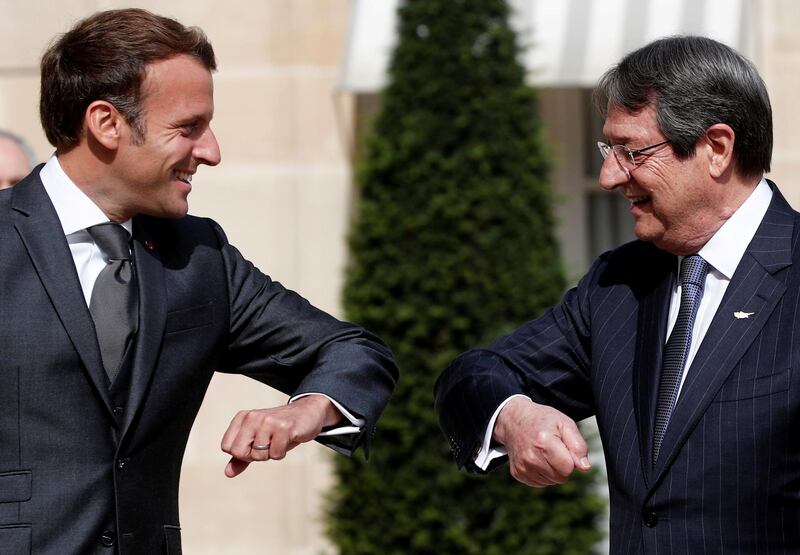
(112, 239)
(694, 270)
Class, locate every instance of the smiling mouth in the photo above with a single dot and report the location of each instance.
(639, 201)
(186, 177)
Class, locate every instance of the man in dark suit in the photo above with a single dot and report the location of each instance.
(117, 307)
(681, 343)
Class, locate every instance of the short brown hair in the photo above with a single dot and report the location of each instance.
(104, 57)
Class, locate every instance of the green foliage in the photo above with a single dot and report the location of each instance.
(453, 245)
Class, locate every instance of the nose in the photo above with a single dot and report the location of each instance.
(612, 174)
(206, 150)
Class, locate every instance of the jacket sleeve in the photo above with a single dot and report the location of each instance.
(277, 337)
(547, 359)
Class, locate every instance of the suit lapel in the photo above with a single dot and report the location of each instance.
(753, 289)
(152, 314)
(39, 228)
(652, 323)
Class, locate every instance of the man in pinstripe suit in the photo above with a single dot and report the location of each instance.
(689, 136)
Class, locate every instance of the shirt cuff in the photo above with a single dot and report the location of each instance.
(355, 423)
(488, 452)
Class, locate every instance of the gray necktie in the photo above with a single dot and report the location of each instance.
(693, 277)
(115, 300)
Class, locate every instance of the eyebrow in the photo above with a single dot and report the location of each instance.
(620, 139)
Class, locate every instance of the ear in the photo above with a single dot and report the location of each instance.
(104, 124)
(719, 140)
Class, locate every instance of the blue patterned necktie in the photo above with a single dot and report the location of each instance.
(693, 277)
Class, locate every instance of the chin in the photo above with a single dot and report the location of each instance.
(647, 231)
(644, 235)
(177, 209)
(177, 214)
(168, 212)
(675, 246)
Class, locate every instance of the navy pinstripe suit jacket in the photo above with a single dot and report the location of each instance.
(728, 476)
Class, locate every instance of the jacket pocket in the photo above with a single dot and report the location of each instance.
(172, 538)
(15, 487)
(15, 539)
(189, 318)
(752, 388)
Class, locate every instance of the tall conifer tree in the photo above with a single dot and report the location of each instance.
(452, 246)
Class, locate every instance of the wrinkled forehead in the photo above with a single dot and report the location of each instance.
(623, 126)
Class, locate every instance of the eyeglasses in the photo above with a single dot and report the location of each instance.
(624, 155)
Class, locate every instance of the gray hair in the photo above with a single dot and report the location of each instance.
(694, 83)
(26, 148)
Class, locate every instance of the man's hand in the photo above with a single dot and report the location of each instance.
(544, 445)
(264, 434)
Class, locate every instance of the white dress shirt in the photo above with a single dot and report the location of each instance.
(722, 252)
(76, 212)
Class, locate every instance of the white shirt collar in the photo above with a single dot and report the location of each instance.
(75, 210)
(727, 246)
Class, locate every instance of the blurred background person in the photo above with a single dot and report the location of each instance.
(16, 159)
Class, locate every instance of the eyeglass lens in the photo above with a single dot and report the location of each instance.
(622, 154)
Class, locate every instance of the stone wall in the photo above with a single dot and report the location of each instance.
(282, 194)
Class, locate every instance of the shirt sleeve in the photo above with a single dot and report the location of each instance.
(354, 425)
(489, 452)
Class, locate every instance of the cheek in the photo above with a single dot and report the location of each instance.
(659, 176)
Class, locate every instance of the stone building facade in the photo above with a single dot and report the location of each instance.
(287, 124)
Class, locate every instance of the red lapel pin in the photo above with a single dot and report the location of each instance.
(148, 244)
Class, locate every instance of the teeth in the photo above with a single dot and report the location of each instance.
(634, 200)
(184, 176)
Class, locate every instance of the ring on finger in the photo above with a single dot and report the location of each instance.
(261, 447)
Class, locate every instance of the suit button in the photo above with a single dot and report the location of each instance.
(650, 519)
(121, 463)
(118, 411)
(108, 538)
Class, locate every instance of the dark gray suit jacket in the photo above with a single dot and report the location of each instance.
(728, 475)
(84, 466)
